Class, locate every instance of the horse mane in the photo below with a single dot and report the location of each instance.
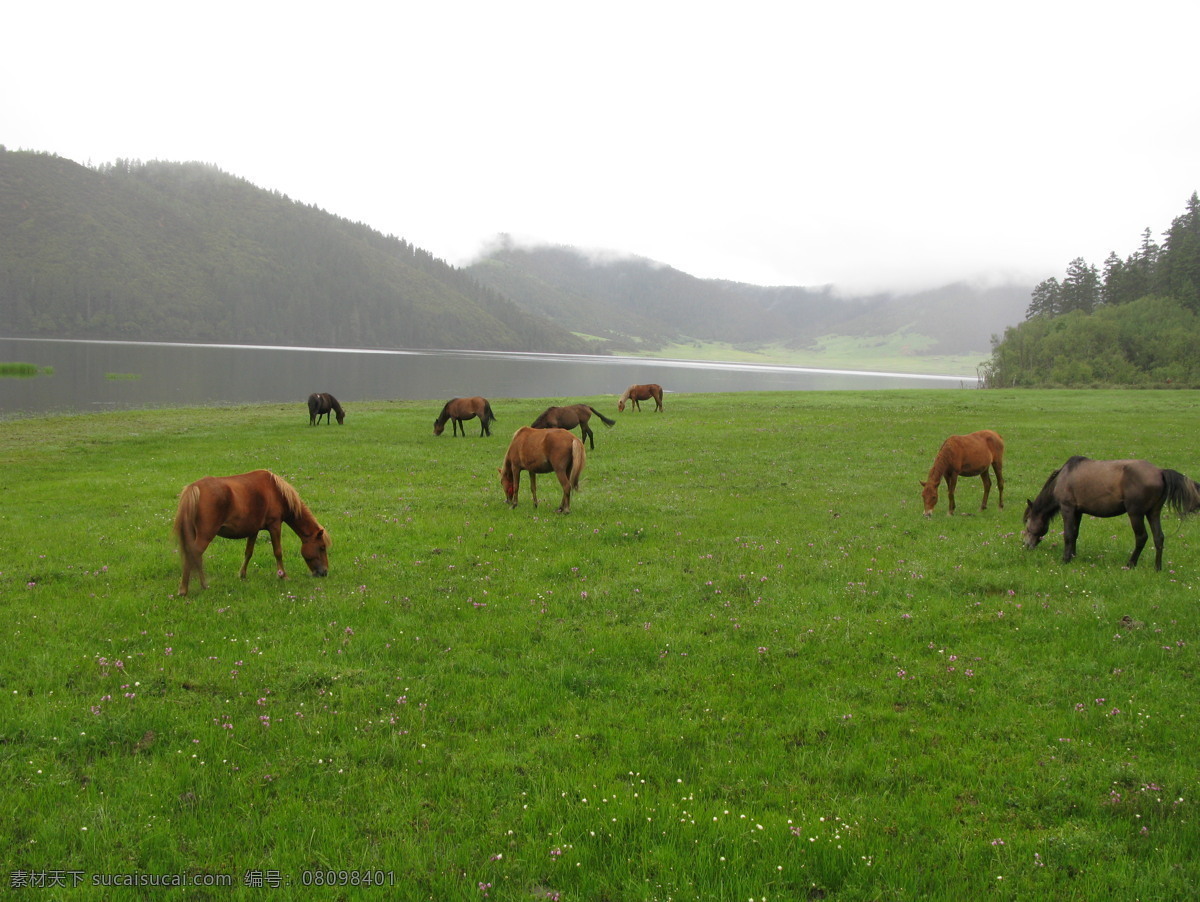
(625, 394)
(296, 508)
(445, 414)
(1045, 498)
(941, 461)
(541, 421)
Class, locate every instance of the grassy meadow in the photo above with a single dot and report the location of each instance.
(743, 667)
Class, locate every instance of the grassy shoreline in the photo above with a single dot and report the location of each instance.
(743, 666)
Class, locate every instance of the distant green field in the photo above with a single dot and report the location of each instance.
(743, 667)
(895, 353)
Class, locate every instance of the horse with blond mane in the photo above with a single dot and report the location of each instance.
(636, 393)
(542, 451)
(965, 455)
(460, 409)
(240, 507)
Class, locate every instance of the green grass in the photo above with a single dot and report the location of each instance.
(744, 666)
(23, 370)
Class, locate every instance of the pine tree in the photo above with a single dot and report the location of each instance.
(1045, 299)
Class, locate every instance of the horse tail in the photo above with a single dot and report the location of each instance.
(1182, 494)
(605, 420)
(578, 456)
(185, 517)
(487, 410)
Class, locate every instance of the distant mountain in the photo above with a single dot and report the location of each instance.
(635, 303)
(185, 252)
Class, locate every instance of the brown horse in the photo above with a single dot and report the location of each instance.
(965, 455)
(542, 451)
(571, 416)
(239, 507)
(1108, 488)
(636, 393)
(460, 409)
(320, 404)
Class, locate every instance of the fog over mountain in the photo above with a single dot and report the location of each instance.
(186, 252)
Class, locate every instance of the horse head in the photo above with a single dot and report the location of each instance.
(507, 483)
(315, 551)
(1036, 526)
(929, 494)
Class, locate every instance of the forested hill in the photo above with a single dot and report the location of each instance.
(637, 304)
(185, 252)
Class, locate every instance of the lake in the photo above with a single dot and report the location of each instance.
(114, 375)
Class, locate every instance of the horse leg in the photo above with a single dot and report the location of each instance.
(999, 483)
(951, 483)
(192, 558)
(532, 487)
(564, 477)
(587, 434)
(249, 551)
(1156, 529)
(277, 547)
(1071, 521)
(987, 489)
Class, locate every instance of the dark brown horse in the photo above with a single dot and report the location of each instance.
(460, 409)
(1107, 488)
(542, 451)
(636, 393)
(320, 404)
(965, 455)
(571, 416)
(239, 507)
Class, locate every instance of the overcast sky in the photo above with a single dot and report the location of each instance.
(863, 144)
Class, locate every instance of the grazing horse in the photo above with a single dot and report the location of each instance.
(320, 404)
(571, 416)
(542, 451)
(239, 507)
(965, 455)
(636, 393)
(460, 409)
(1107, 488)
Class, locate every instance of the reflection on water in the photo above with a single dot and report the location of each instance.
(95, 375)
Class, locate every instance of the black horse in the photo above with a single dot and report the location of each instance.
(320, 404)
(1108, 488)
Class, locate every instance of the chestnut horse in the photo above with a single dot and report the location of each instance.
(571, 416)
(965, 455)
(542, 451)
(320, 404)
(636, 393)
(1108, 488)
(239, 507)
(460, 409)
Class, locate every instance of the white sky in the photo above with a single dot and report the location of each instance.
(874, 144)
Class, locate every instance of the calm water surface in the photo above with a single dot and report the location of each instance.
(100, 375)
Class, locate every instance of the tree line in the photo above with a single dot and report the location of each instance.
(1136, 323)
